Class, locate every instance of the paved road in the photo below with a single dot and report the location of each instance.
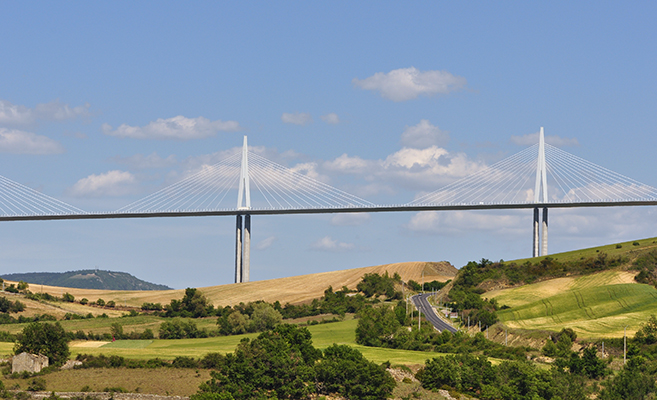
(421, 301)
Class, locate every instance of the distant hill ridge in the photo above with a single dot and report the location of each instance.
(87, 279)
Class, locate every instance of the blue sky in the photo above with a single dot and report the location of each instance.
(102, 103)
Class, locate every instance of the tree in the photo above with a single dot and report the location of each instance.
(265, 317)
(196, 303)
(376, 327)
(633, 383)
(44, 338)
(100, 302)
(178, 328)
(278, 363)
(345, 371)
(648, 332)
(67, 297)
(117, 331)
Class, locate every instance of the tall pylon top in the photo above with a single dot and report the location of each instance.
(541, 174)
(244, 192)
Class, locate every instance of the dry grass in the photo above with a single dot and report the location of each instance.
(161, 381)
(296, 289)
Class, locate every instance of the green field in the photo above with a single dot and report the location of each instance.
(594, 305)
(324, 335)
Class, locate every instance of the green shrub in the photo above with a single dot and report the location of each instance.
(37, 385)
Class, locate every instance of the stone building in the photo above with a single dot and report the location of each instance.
(28, 362)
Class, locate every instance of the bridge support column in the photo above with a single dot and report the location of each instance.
(544, 238)
(535, 247)
(246, 255)
(238, 250)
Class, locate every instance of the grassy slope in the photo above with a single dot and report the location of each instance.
(324, 335)
(296, 289)
(598, 305)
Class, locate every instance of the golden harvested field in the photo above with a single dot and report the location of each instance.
(296, 289)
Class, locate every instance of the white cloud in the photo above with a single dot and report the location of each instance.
(310, 170)
(350, 165)
(20, 142)
(329, 244)
(416, 169)
(265, 244)
(351, 219)
(532, 138)
(112, 183)
(455, 222)
(408, 83)
(424, 135)
(180, 128)
(12, 114)
(140, 161)
(331, 118)
(297, 118)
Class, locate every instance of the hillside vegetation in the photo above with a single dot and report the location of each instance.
(87, 279)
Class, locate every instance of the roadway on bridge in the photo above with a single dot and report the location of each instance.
(421, 301)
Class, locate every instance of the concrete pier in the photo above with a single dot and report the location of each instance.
(238, 250)
(536, 233)
(544, 238)
(246, 254)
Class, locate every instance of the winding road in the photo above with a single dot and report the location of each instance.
(421, 301)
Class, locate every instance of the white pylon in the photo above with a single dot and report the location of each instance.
(540, 196)
(244, 192)
(243, 243)
(541, 175)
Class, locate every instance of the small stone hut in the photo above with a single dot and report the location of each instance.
(28, 362)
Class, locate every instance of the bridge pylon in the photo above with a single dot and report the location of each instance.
(540, 196)
(243, 231)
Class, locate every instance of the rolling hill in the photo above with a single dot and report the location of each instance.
(596, 305)
(86, 279)
(296, 289)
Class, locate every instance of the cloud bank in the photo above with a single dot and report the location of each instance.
(329, 244)
(12, 114)
(20, 142)
(297, 118)
(178, 128)
(112, 183)
(409, 83)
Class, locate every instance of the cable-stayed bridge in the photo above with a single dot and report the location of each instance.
(539, 177)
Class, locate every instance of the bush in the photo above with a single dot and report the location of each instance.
(37, 385)
(84, 301)
(11, 288)
(67, 297)
(179, 329)
(100, 302)
(185, 362)
(111, 304)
